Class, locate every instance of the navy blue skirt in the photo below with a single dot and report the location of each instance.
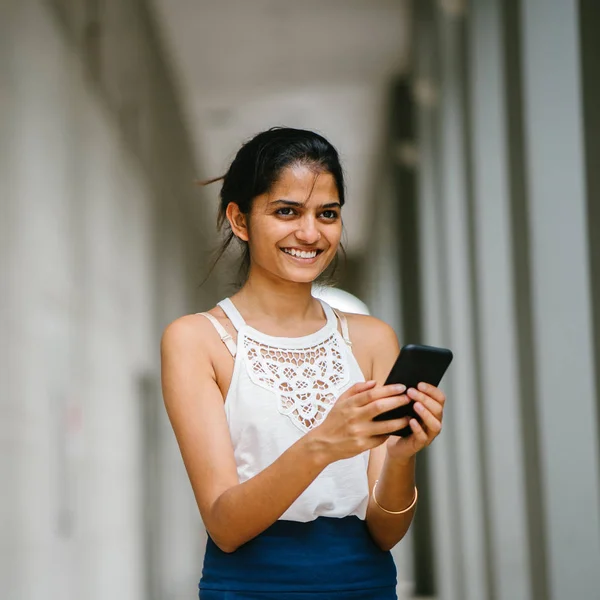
(324, 559)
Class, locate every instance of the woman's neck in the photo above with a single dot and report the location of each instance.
(282, 301)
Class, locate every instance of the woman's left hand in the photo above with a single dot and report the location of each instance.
(429, 405)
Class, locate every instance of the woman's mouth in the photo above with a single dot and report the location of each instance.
(305, 256)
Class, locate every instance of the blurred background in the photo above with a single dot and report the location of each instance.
(471, 139)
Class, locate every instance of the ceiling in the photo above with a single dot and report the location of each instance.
(246, 65)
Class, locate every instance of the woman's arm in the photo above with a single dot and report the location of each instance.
(395, 492)
(234, 513)
(393, 464)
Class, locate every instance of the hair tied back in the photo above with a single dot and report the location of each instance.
(209, 181)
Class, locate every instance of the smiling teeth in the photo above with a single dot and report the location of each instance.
(300, 253)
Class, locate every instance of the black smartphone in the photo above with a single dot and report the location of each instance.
(415, 363)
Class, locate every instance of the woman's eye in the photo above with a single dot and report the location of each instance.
(330, 214)
(286, 211)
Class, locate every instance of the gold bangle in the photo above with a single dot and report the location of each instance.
(395, 512)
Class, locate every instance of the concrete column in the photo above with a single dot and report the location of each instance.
(9, 469)
(463, 420)
(561, 296)
(589, 17)
(501, 415)
(434, 285)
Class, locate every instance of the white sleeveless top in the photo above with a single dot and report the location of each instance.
(283, 387)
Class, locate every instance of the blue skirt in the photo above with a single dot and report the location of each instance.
(325, 559)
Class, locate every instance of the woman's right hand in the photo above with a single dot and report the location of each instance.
(349, 428)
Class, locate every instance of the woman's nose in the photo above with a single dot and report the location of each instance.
(308, 232)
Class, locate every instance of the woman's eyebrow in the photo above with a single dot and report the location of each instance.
(301, 204)
(287, 202)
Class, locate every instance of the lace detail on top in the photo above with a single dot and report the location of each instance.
(306, 381)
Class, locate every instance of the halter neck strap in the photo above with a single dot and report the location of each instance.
(232, 313)
(329, 313)
(238, 322)
(344, 326)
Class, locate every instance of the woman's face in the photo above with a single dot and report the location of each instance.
(294, 229)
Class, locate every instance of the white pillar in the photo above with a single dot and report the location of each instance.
(502, 424)
(463, 409)
(561, 296)
(433, 291)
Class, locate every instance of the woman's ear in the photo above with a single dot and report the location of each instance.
(237, 220)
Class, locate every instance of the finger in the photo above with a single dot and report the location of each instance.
(431, 423)
(420, 437)
(388, 427)
(377, 440)
(359, 388)
(433, 392)
(384, 391)
(382, 405)
(430, 403)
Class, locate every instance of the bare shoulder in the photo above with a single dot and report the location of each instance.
(369, 331)
(374, 344)
(187, 331)
(191, 334)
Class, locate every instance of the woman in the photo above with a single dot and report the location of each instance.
(272, 395)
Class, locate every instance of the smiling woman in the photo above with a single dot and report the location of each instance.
(277, 173)
(272, 396)
(296, 226)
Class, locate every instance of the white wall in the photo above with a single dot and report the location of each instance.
(79, 329)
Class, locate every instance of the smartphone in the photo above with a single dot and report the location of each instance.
(415, 364)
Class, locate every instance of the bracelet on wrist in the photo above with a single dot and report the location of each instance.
(394, 512)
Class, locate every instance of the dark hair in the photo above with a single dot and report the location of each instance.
(259, 164)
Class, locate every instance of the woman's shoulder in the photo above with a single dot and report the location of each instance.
(368, 330)
(192, 333)
(374, 344)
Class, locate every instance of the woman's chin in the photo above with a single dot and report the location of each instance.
(305, 278)
(301, 275)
